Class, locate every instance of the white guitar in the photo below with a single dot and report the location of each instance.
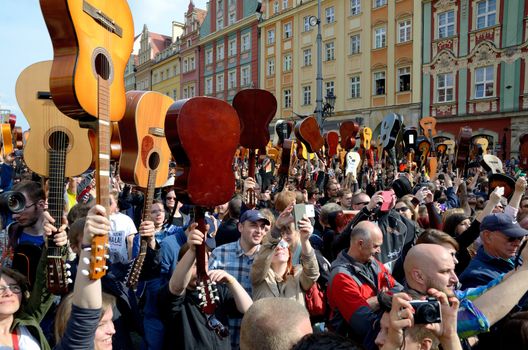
(353, 160)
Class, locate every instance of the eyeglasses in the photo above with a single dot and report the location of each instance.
(402, 209)
(29, 206)
(362, 203)
(14, 288)
(171, 198)
(217, 326)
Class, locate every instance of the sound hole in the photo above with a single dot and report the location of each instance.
(154, 160)
(59, 140)
(102, 66)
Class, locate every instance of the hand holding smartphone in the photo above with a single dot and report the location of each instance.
(299, 210)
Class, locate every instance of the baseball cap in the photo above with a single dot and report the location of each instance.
(504, 223)
(253, 216)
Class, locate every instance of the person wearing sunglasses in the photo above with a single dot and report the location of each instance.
(187, 325)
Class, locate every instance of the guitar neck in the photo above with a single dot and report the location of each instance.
(57, 160)
(102, 161)
(201, 251)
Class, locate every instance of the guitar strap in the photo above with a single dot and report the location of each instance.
(14, 337)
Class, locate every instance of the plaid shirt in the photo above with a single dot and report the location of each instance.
(232, 259)
(471, 321)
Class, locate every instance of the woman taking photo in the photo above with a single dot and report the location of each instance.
(273, 274)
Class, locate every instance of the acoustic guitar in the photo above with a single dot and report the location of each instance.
(145, 155)
(92, 41)
(57, 147)
(428, 125)
(203, 177)
(7, 139)
(463, 144)
(331, 141)
(309, 135)
(283, 130)
(493, 164)
(255, 108)
(348, 131)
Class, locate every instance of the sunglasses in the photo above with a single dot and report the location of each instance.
(362, 203)
(514, 239)
(217, 326)
(402, 209)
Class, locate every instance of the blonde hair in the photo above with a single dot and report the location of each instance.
(283, 199)
(64, 311)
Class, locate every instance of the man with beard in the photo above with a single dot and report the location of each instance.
(26, 234)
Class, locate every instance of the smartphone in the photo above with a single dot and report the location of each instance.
(387, 200)
(299, 210)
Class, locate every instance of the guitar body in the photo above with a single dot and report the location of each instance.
(366, 137)
(502, 180)
(463, 145)
(203, 172)
(255, 108)
(492, 164)
(390, 128)
(90, 38)
(7, 139)
(353, 160)
(423, 150)
(348, 131)
(45, 120)
(143, 143)
(307, 131)
(283, 130)
(331, 141)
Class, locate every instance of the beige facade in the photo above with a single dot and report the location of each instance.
(166, 72)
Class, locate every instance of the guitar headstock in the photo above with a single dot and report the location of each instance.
(428, 125)
(208, 294)
(99, 254)
(58, 275)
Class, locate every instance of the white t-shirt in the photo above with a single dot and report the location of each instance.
(121, 226)
(26, 340)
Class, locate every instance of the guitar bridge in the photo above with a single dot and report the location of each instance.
(156, 132)
(100, 17)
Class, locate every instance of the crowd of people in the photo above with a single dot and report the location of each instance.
(418, 263)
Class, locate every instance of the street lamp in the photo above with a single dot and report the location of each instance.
(316, 21)
(328, 107)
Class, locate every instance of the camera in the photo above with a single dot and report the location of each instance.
(426, 311)
(12, 201)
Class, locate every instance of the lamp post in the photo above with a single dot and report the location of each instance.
(328, 108)
(319, 79)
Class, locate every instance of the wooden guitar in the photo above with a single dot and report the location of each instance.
(92, 41)
(463, 145)
(348, 131)
(255, 108)
(331, 141)
(368, 155)
(203, 177)
(18, 141)
(428, 125)
(56, 148)
(309, 135)
(7, 139)
(493, 164)
(390, 129)
(353, 161)
(145, 154)
(283, 130)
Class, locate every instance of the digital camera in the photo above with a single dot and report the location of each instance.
(426, 311)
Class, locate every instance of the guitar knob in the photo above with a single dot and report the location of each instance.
(69, 281)
(85, 272)
(86, 261)
(68, 266)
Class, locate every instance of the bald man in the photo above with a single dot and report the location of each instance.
(432, 266)
(274, 324)
(356, 279)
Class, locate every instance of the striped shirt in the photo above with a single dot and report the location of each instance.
(231, 258)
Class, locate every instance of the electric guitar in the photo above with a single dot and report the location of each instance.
(57, 147)
(145, 155)
(92, 42)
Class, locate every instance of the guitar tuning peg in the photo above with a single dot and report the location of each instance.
(68, 266)
(107, 256)
(98, 258)
(98, 270)
(216, 298)
(85, 272)
(86, 261)
(69, 281)
(68, 273)
(105, 267)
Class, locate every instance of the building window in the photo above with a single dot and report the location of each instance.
(220, 82)
(330, 14)
(355, 86)
(275, 7)
(484, 82)
(404, 31)
(185, 92)
(220, 52)
(446, 24)
(231, 79)
(355, 7)
(209, 86)
(219, 23)
(379, 3)
(185, 65)
(287, 98)
(270, 66)
(245, 76)
(307, 57)
(329, 51)
(355, 44)
(486, 13)
(380, 38)
(192, 63)
(232, 47)
(379, 83)
(220, 5)
(444, 87)
(404, 79)
(191, 91)
(174, 94)
(284, 4)
(232, 18)
(329, 88)
(209, 56)
(307, 95)
(287, 30)
(306, 24)
(161, 76)
(271, 36)
(246, 42)
(287, 63)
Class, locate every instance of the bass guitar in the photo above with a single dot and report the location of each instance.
(67, 153)
(255, 108)
(203, 160)
(145, 155)
(92, 41)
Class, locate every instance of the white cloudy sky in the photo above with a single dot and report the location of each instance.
(24, 39)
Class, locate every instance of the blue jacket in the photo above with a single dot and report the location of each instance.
(484, 268)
